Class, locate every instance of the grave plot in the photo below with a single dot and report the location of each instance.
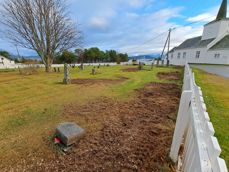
(98, 81)
(133, 136)
(169, 75)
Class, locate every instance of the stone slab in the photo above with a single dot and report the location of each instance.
(69, 133)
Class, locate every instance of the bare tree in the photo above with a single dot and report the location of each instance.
(40, 25)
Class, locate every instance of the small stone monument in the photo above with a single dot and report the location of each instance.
(152, 65)
(93, 72)
(66, 74)
(168, 62)
(140, 66)
(158, 60)
(69, 133)
(81, 66)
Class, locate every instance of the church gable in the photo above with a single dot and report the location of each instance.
(222, 44)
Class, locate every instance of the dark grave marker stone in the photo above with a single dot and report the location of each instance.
(93, 72)
(69, 133)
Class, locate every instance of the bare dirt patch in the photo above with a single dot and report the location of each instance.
(130, 70)
(97, 81)
(123, 136)
(169, 75)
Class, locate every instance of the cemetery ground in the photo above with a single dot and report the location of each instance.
(129, 117)
(216, 97)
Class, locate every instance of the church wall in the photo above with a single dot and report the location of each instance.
(205, 57)
(215, 29)
(211, 31)
(223, 57)
(224, 27)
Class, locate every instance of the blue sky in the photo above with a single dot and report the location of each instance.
(124, 25)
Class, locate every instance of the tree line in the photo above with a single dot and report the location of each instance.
(91, 55)
(45, 27)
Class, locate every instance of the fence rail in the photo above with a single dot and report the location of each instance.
(193, 138)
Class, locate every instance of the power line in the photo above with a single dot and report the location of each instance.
(172, 29)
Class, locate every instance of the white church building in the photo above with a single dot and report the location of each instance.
(210, 48)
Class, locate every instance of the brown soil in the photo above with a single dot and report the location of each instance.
(133, 136)
(169, 76)
(130, 70)
(97, 81)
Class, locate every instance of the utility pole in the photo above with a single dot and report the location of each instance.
(169, 37)
(167, 43)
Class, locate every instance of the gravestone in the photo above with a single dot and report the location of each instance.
(140, 66)
(66, 74)
(152, 65)
(69, 133)
(158, 62)
(93, 72)
(168, 62)
(81, 66)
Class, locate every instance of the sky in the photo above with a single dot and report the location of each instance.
(135, 26)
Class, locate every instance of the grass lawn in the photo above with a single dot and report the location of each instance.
(216, 96)
(31, 106)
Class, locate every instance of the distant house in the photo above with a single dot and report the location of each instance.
(210, 48)
(4, 62)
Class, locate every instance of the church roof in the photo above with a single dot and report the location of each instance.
(194, 43)
(222, 44)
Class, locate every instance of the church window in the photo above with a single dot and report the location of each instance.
(217, 56)
(184, 55)
(178, 55)
(172, 56)
(198, 54)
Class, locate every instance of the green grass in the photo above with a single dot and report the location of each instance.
(31, 106)
(216, 96)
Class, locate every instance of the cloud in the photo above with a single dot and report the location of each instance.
(131, 25)
(136, 3)
(205, 17)
(128, 24)
(98, 23)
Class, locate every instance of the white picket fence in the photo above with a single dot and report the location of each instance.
(18, 65)
(194, 144)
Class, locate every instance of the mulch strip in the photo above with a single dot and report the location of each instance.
(169, 75)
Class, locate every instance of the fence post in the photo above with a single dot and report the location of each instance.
(201, 149)
(181, 124)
